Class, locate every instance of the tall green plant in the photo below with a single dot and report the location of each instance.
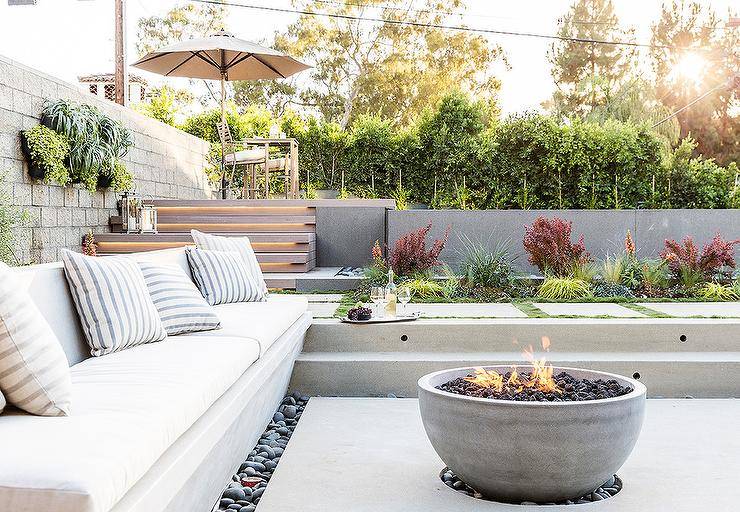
(10, 218)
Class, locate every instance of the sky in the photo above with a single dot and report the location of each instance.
(69, 38)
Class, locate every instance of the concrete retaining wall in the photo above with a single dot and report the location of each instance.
(167, 163)
(603, 230)
(345, 235)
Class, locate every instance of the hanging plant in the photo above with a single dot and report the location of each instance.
(96, 140)
(119, 178)
(46, 151)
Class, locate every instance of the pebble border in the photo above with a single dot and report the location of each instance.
(606, 491)
(249, 483)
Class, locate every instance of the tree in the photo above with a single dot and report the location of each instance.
(584, 73)
(276, 96)
(165, 103)
(384, 68)
(179, 24)
(698, 54)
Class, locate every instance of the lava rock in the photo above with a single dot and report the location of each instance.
(569, 388)
(290, 411)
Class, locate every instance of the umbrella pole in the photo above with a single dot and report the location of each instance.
(223, 148)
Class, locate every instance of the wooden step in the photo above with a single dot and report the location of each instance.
(226, 224)
(121, 243)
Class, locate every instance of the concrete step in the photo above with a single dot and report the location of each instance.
(666, 374)
(512, 334)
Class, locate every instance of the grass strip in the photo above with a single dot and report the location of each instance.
(650, 313)
(530, 310)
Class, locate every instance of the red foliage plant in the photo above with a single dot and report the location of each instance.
(716, 254)
(550, 248)
(410, 255)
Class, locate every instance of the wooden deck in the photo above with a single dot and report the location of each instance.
(282, 232)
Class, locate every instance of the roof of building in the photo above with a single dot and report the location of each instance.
(109, 77)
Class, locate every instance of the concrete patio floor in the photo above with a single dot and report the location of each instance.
(364, 454)
(690, 309)
(587, 309)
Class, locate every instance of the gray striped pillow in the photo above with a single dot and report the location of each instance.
(112, 301)
(239, 244)
(222, 277)
(34, 372)
(179, 303)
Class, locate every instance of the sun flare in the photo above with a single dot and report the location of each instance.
(691, 67)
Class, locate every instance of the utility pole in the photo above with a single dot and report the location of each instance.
(121, 74)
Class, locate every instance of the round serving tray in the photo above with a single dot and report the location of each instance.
(384, 320)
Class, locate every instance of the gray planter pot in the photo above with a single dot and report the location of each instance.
(531, 451)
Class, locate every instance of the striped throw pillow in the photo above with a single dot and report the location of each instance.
(34, 372)
(222, 277)
(179, 303)
(239, 244)
(2, 403)
(112, 301)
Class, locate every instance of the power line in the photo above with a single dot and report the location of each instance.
(691, 103)
(457, 28)
(449, 13)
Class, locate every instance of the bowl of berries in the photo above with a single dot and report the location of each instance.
(359, 314)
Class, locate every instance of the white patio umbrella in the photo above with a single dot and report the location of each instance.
(220, 57)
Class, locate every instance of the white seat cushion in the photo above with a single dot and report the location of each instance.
(129, 407)
(264, 321)
(246, 156)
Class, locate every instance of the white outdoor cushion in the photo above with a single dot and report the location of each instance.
(263, 321)
(129, 407)
(240, 244)
(34, 372)
(113, 302)
(246, 156)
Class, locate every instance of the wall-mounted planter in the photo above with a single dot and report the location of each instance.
(34, 171)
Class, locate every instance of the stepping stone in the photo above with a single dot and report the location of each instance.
(688, 309)
(323, 309)
(587, 309)
(467, 310)
(323, 297)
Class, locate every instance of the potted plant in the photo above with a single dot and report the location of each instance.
(46, 152)
(117, 177)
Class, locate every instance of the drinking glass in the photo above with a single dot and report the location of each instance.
(404, 296)
(377, 295)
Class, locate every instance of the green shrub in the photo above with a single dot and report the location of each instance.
(717, 292)
(10, 218)
(483, 268)
(564, 288)
(610, 289)
(454, 156)
(48, 151)
(424, 289)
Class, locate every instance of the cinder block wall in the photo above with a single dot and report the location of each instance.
(166, 162)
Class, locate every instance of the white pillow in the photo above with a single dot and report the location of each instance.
(113, 302)
(2, 403)
(34, 372)
(222, 277)
(239, 244)
(180, 304)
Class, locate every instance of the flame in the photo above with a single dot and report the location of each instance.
(539, 378)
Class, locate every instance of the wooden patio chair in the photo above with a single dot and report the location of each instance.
(251, 156)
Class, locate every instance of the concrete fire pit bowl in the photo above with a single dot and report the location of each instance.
(531, 451)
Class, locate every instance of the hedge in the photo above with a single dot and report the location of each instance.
(456, 157)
